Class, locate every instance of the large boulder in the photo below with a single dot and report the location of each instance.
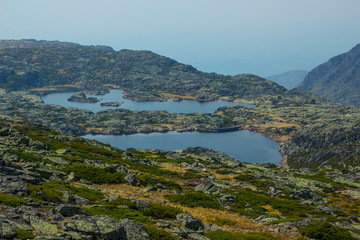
(134, 230)
(131, 179)
(69, 210)
(188, 221)
(209, 188)
(90, 227)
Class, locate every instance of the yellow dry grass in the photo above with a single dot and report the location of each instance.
(271, 210)
(171, 167)
(206, 215)
(171, 95)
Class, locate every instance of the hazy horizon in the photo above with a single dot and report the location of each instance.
(228, 37)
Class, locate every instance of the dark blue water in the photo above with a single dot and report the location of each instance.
(244, 145)
(185, 106)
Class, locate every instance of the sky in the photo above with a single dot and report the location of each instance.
(263, 37)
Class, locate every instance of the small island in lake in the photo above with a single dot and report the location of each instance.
(81, 97)
(111, 104)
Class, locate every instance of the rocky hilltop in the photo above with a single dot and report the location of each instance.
(27, 64)
(338, 79)
(57, 186)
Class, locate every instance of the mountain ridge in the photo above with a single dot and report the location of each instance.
(338, 79)
(144, 75)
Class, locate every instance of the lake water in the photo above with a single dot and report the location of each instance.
(115, 95)
(244, 145)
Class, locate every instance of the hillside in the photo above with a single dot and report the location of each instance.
(289, 79)
(338, 79)
(27, 64)
(58, 186)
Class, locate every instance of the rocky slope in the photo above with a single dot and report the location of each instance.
(338, 79)
(26, 64)
(58, 186)
(289, 79)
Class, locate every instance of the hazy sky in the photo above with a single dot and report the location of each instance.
(263, 37)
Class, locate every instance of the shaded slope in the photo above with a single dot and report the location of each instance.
(338, 79)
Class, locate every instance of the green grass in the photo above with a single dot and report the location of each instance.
(194, 199)
(118, 213)
(95, 174)
(11, 200)
(159, 211)
(24, 234)
(158, 234)
(28, 157)
(325, 231)
(222, 235)
(53, 190)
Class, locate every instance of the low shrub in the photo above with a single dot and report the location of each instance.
(24, 234)
(159, 211)
(11, 200)
(94, 174)
(118, 213)
(158, 234)
(28, 157)
(222, 235)
(194, 199)
(325, 231)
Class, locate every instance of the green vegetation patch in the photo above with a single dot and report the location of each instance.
(53, 191)
(118, 213)
(159, 211)
(94, 174)
(28, 157)
(158, 234)
(325, 231)
(194, 199)
(11, 200)
(223, 235)
(24, 234)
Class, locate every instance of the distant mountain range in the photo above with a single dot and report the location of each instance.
(338, 79)
(289, 79)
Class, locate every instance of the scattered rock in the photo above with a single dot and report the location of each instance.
(131, 179)
(188, 221)
(134, 230)
(14, 185)
(69, 211)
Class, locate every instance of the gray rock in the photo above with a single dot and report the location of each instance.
(165, 224)
(209, 188)
(228, 198)
(134, 230)
(95, 227)
(300, 223)
(69, 211)
(197, 236)
(43, 227)
(55, 161)
(14, 185)
(149, 189)
(140, 204)
(7, 229)
(188, 221)
(131, 179)
(75, 199)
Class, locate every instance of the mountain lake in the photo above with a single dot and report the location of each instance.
(244, 145)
